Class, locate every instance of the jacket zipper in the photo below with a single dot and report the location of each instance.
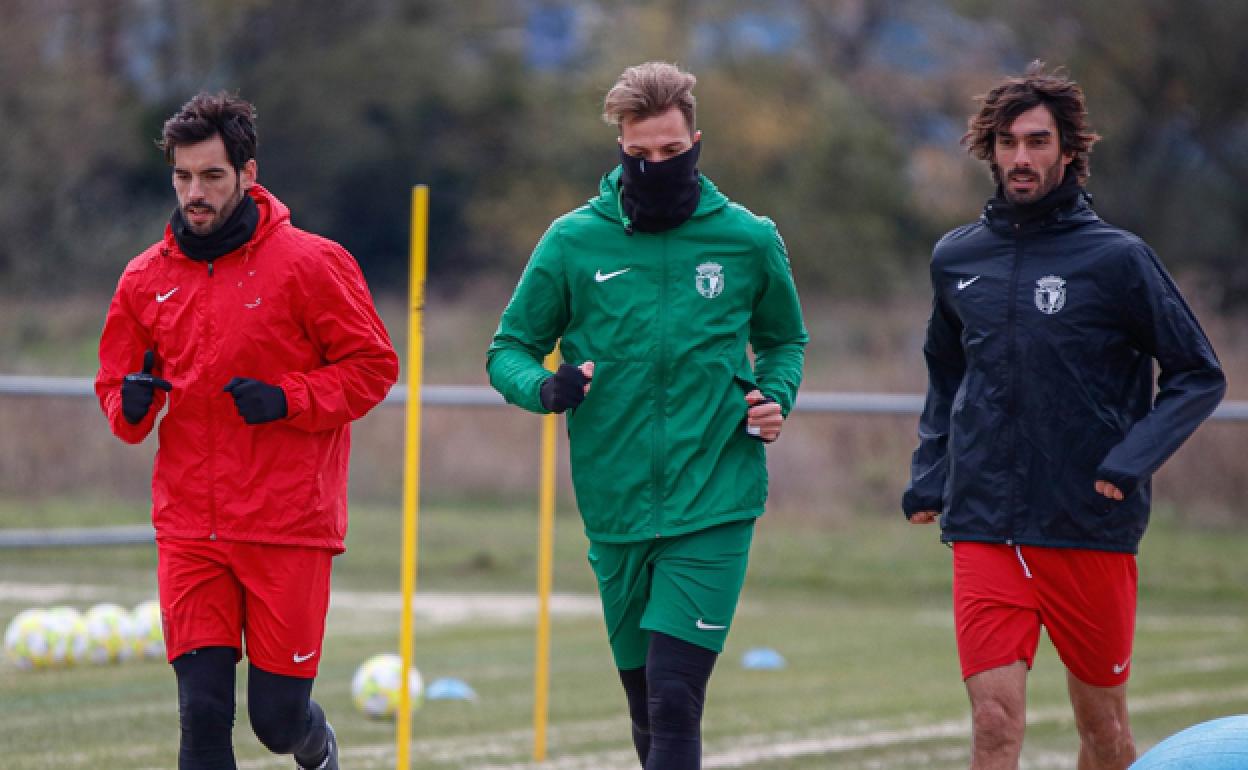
(1012, 405)
(661, 398)
(212, 423)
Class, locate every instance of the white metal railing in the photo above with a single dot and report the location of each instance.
(431, 395)
(481, 395)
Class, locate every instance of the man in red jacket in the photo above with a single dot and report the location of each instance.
(264, 343)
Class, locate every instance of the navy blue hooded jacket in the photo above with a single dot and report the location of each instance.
(1040, 352)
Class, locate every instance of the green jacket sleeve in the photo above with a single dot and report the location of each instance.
(777, 332)
(532, 323)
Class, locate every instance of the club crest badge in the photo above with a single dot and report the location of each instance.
(1050, 294)
(709, 280)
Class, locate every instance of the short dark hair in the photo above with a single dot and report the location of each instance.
(207, 115)
(1015, 95)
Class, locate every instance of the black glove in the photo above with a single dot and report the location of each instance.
(257, 401)
(136, 390)
(565, 389)
(745, 424)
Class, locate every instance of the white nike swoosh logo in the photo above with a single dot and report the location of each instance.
(167, 295)
(963, 284)
(301, 658)
(704, 626)
(600, 276)
(1120, 667)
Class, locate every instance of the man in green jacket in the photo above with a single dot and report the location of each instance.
(656, 288)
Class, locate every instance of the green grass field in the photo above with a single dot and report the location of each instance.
(860, 610)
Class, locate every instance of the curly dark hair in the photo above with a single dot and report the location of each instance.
(1015, 95)
(207, 115)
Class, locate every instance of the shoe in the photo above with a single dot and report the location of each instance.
(330, 762)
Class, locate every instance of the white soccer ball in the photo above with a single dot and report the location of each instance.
(67, 636)
(108, 634)
(147, 634)
(26, 640)
(375, 686)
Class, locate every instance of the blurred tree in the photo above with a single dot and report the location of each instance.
(68, 147)
(838, 118)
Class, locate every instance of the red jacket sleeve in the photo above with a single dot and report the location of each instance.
(360, 364)
(122, 344)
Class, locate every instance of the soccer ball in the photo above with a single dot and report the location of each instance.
(375, 686)
(108, 634)
(67, 635)
(147, 636)
(26, 642)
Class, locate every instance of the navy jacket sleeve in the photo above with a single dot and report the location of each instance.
(946, 365)
(1190, 383)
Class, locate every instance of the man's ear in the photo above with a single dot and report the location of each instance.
(247, 174)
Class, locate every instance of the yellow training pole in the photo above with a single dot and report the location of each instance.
(545, 562)
(411, 463)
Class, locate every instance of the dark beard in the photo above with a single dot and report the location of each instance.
(1053, 178)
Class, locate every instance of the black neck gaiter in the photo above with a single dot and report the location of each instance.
(1025, 213)
(660, 196)
(236, 230)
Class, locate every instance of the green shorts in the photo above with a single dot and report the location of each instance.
(685, 586)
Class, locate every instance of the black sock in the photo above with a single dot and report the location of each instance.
(676, 676)
(634, 681)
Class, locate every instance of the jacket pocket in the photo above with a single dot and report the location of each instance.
(612, 441)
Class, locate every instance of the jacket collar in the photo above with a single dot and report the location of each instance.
(273, 214)
(1066, 205)
(607, 202)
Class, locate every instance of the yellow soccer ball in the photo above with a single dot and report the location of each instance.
(147, 634)
(27, 640)
(375, 686)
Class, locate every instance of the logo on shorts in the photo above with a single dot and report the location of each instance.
(1120, 667)
(704, 626)
(301, 658)
(1050, 294)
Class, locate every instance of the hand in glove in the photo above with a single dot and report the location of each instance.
(258, 402)
(137, 390)
(567, 387)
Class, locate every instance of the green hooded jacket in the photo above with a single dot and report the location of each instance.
(658, 446)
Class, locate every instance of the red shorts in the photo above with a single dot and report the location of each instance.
(1085, 600)
(215, 594)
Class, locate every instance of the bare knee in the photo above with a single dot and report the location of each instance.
(1107, 739)
(997, 725)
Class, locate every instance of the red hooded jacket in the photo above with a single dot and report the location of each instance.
(289, 308)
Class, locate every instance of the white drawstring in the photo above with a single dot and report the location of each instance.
(1019, 551)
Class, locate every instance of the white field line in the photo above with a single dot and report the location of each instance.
(744, 754)
(740, 752)
(441, 609)
(432, 607)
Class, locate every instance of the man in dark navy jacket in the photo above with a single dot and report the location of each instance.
(1042, 427)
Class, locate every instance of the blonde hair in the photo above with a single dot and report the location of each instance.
(650, 89)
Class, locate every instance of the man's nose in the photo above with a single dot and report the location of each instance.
(1021, 157)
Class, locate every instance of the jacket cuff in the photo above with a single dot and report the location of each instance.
(1127, 483)
(912, 502)
(296, 391)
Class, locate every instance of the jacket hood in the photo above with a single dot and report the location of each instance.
(607, 202)
(273, 213)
